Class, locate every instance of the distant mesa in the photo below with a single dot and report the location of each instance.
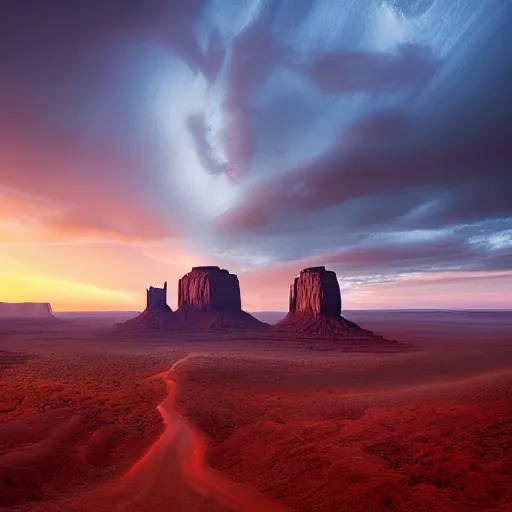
(157, 312)
(26, 310)
(209, 298)
(315, 309)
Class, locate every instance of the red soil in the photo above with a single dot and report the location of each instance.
(428, 428)
(357, 453)
(69, 420)
(425, 430)
(173, 474)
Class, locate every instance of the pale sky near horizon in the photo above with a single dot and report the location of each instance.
(141, 138)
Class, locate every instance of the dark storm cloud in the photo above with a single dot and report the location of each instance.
(42, 37)
(454, 161)
(468, 171)
(447, 252)
(410, 68)
(381, 128)
(399, 170)
(500, 260)
(441, 162)
(64, 59)
(378, 258)
(387, 259)
(254, 54)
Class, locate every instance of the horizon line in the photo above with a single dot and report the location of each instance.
(281, 311)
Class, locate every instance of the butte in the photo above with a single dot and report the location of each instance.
(315, 310)
(157, 313)
(209, 299)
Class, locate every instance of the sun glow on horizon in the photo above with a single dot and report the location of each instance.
(63, 294)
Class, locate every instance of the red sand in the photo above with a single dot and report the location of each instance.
(428, 428)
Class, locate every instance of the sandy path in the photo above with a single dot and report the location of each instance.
(173, 474)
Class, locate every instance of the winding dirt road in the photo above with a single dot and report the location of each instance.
(173, 475)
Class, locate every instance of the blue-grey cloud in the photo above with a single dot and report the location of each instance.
(281, 129)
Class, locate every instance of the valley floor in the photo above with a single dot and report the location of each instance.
(425, 428)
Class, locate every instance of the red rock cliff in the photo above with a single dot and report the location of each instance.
(209, 289)
(156, 298)
(316, 292)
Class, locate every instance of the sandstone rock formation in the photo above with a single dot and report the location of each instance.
(36, 310)
(209, 288)
(316, 292)
(156, 298)
(209, 298)
(315, 309)
(156, 314)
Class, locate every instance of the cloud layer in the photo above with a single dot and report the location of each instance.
(373, 137)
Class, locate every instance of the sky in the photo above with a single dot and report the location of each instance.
(139, 138)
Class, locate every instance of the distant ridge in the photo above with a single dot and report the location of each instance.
(28, 310)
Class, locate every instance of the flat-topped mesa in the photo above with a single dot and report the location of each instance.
(209, 301)
(156, 298)
(316, 292)
(38, 310)
(209, 288)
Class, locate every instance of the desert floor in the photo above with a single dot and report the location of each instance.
(258, 424)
